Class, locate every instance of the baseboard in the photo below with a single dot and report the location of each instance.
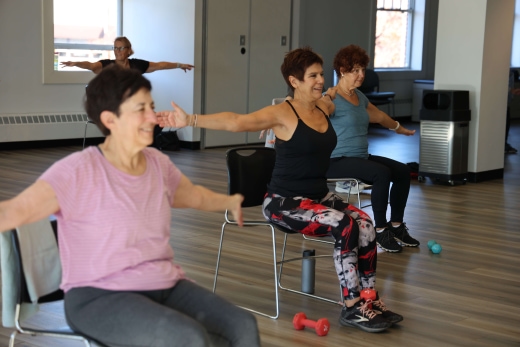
(476, 177)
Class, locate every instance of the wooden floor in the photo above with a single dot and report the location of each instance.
(468, 295)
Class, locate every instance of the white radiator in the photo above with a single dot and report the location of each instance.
(37, 127)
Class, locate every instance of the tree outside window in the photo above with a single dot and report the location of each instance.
(394, 24)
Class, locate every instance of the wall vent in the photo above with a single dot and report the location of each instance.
(37, 127)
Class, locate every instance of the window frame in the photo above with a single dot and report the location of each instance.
(415, 38)
(49, 75)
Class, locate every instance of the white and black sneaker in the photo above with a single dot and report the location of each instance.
(351, 187)
(361, 316)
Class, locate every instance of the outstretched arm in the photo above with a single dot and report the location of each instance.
(262, 119)
(165, 65)
(87, 65)
(189, 195)
(378, 116)
(34, 203)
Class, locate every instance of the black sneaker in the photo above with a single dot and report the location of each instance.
(361, 316)
(386, 240)
(379, 307)
(402, 236)
(510, 149)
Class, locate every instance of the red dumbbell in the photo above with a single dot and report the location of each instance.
(322, 326)
(368, 294)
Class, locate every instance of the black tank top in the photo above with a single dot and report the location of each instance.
(302, 162)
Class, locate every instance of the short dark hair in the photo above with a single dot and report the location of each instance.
(109, 89)
(349, 56)
(296, 63)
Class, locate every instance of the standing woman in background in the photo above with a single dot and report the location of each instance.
(123, 50)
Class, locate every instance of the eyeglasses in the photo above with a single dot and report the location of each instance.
(120, 49)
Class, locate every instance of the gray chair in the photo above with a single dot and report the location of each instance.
(22, 279)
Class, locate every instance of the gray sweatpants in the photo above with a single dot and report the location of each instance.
(185, 315)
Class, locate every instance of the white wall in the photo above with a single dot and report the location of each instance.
(164, 30)
(21, 87)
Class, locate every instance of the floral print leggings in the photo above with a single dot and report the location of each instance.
(355, 252)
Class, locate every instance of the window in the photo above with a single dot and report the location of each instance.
(84, 30)
(515, 51)
(77, 30)
(399, 34)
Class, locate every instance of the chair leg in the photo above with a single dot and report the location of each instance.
(85, 135)
(275, 271)
(13, 337)
(340, 302)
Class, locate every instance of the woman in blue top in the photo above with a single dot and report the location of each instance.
(350, 158)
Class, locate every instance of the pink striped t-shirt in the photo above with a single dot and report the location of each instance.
(114, 228)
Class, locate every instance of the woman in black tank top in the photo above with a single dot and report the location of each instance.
(297, 196)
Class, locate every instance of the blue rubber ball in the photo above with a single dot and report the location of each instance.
(431, 243)
(436, 248)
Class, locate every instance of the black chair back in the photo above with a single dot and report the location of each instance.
(249, 172)
(370, 83)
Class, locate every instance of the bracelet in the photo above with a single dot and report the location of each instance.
(195, 123)
(397, 127)
(178, 65)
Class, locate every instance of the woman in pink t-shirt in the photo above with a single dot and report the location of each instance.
(113, 205)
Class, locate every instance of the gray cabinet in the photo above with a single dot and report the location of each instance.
(242, 60)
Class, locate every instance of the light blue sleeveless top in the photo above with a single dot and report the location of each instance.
(351, 125)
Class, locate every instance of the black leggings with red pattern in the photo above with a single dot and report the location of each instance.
(355, 253)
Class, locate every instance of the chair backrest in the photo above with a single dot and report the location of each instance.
(23, 295)
(371, 82)
(249, 172)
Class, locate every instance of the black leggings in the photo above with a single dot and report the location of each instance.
(355, 253)
(380, 172)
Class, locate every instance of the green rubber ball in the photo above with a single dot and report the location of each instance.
(431, 243)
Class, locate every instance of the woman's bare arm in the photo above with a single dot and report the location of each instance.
(34, 203)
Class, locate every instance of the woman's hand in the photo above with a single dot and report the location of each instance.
(403, 131)
(175, 118)
(235, 207)
(68, 63)
(332, 92)
(186, 67)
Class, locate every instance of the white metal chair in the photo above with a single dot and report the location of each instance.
(249, 171)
